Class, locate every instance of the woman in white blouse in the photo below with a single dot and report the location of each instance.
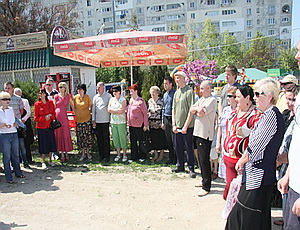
(9, 139)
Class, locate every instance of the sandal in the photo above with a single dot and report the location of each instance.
(10, 182)
(82, 158)
(89, 156)
(117, 158)
(124, 158)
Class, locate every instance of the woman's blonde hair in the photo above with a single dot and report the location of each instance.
(268, 86)
(4, 95)
(156, 89)
(64, 85)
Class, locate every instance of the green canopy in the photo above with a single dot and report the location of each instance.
(252, 74)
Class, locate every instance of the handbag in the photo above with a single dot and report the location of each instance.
(55, 124)
(233, 192)
(146, 143)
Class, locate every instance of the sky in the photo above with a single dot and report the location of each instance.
(295, 22)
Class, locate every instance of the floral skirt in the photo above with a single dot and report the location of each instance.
(84, 135)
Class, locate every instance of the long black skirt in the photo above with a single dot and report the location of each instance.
(252, 209)
(158, 139)
(46, 140)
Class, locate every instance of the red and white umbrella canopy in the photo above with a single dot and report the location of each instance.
(134, 48)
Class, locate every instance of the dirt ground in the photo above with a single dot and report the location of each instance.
(115, 197)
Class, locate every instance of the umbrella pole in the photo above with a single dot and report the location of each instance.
(131, 74)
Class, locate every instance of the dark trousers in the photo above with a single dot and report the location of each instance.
(136, 135)
(203, 148)
(291, 221)
(170, 138)
(181, 141)
(102, 132)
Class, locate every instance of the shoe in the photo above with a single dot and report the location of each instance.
(202, 193)
(52, 164)
(89, 156)
(170, 162)
(141, 160)
(192, 174)
(130, 161)
(27, 167)
(177, 170)
(214, 176)
(101, 159)
(117, 158)
(124, 158)
(82, 158)
(1, 170)
(44, 166)
(198, 185)
(10, 182)
(279, 222)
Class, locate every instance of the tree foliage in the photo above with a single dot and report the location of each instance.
(286, 59)
(29, 90)
(24, 16)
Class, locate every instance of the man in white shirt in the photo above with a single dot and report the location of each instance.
(101, 120)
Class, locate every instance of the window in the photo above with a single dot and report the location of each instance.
(271, 32)
(227, 1)
(249, 34)
(89, 13)
(193, 15)
(231, 33)
(173, 6)
(173, 17)
(121, 2)
(249, 11)
(192, 4)
(107, 9)
(228, 12)
(271, 21)
(285, 31)
(108, 30)
(138, 10)
(211, 2)
(212, 13)
(139, 21)
(229, 23)
(286, 9)
(158, 29)
(248, 1)
(157, 8)
(89, 23)
(271, 10)
(88, 2)
(121, 23)
(107, 19)
(284, 42)
(216, 24)
(258, 21)
(249, 23)
(157, 19)
(285, 20)
(138, 1)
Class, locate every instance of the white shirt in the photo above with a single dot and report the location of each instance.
(27, 108)
(7, 117)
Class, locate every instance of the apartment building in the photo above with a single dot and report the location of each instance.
(242, 18)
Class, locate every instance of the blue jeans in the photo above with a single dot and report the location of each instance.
(10, 151)
(22, 151)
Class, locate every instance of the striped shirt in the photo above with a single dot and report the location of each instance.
(264, 143)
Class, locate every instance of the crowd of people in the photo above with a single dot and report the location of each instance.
(255, 130)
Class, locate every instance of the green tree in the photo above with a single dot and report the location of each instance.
(192, 43)
(230, 51)
(153, 76)
(286, 59)
(208, 41)
(29, 90)
(260, 54)
(109, 75)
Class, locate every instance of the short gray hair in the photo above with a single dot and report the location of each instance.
(16, 90)
(156, 89)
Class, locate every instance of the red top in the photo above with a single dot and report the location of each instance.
(237, 133)
(137, 113)
(40, 111)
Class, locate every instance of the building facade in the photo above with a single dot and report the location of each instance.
(242, 18)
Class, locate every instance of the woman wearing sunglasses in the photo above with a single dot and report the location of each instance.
(238, 128)
(258, 164)
(9, 140)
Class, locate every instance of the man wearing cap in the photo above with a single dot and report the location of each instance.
(285, 83)
(183, 100)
